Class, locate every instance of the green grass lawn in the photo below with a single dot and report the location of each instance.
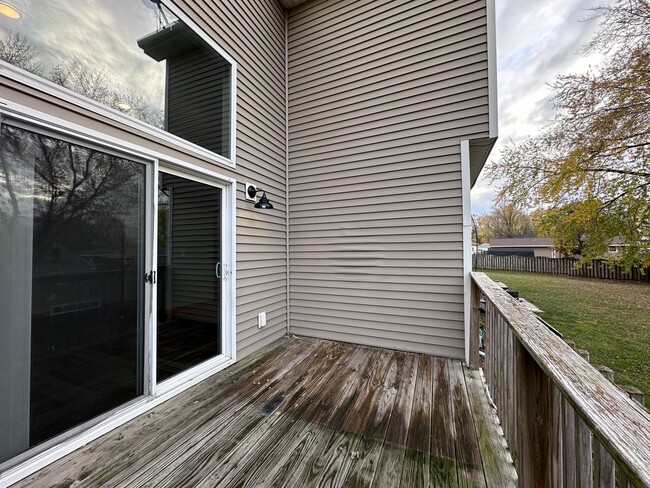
(611, 319)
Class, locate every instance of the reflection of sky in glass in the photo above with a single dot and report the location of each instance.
(101, 33)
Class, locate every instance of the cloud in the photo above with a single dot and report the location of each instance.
(536, 42)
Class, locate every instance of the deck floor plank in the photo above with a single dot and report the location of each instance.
(308, 413)
(496, 461)
(311, 460)
(370, 444)
(391, 459)
(415, 471)
(340, 451)
(199, 456)
(442, 464)
(468, 457)
(88, 464)
(197, 432)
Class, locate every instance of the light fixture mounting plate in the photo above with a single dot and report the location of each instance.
(250, 191)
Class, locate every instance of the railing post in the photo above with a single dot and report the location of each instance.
(474, 325)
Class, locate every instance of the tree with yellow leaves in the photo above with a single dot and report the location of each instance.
(588, 172)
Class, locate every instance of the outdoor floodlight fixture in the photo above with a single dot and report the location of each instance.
(251, 191)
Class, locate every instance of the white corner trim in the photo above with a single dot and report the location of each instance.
(467, 240)
(493, 100)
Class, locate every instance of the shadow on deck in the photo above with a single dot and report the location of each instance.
(307, 413)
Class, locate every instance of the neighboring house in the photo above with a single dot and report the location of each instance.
(523, 246)
(481, 248)
(366, 122)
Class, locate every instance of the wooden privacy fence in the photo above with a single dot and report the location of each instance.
(598, 268)
(566, 425)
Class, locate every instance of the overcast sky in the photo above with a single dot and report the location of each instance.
(536, 42)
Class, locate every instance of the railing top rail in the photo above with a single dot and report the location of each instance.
(620, 424)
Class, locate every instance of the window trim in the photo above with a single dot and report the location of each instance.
(67, 95)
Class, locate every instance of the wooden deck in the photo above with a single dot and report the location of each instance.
(306, 413)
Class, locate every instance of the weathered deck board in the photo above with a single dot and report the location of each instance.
(496, 461)
(369, 447)
(443, 452)
(307, 413)
(468, 458)
(234, 439)
(391, 459)
(415, 471)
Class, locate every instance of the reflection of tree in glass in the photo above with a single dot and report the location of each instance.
(75, 74)
(14, 49)
(75, 188)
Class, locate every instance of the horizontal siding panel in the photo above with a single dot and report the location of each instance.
(268, 302)
(452, 212)
(380, 331)
(428, 102)
(472, 127)
(394, 242)
(436, 258)
(351, 275)
(432, 49)
(397, 183)
(405, 26)
(387, 121)
(443, 327)
(255, 343)
(382, 310)
(369, 172)
(402, 132)
(450, 66)
(399, 342)
(415, 91)
(380, 94)
(422, 301)
(335, 282)
(341, 24)
(434, 225)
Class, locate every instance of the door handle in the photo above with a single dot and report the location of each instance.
(217, 270)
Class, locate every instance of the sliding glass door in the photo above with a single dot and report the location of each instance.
(189, 274)
(72, 254)
(80, 332)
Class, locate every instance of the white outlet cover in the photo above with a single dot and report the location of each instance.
(261, 320)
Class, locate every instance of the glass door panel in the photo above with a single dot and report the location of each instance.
(72, 229)
(189, 287)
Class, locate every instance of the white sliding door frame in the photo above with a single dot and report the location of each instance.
(40, 456)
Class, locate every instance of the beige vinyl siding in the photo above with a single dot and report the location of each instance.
(253, 33)
(381, 93)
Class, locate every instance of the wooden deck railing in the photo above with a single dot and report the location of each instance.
(565, 423)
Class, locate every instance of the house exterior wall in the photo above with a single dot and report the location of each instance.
(544, 252)
(253, 33)
(381, 92)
